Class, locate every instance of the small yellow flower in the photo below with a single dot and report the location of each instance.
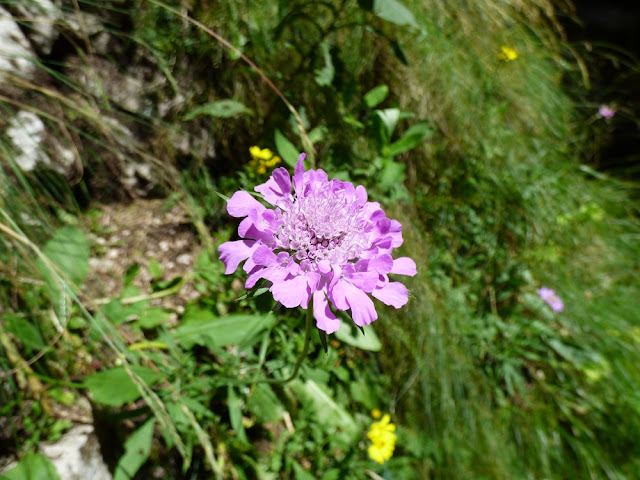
(508, 54)
(383, 439)
(255, 151)
(375, 413)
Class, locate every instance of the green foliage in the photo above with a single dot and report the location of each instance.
(114, 387)
(34, 466)
(137, 449)
(219, 108)
(475, 156)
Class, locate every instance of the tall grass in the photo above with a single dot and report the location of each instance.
(483, 379)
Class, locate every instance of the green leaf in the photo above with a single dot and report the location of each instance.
(324, 76)
(235, 414)
(395, 12)
(114, 387)
(351, 336)
(264, 404)
(376, 96)
(68, 250)
(413, 137)
(152, 317)
(25, 331)
(327, 412)
(398, 51)
(202, 327)
(118, 313)
(136, 452)
(154, 268)
(220, 108)
(389, 118)
(301, 473)
(392, 174)
(318, 133)
(34, 466)
(286, 149)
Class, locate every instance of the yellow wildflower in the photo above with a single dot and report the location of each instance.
(260, 154)
(255, 151)
(383, 440)
(262, 158)
(508, 54)
(375, 413)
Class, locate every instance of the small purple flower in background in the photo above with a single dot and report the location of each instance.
(324, 242)
(551, 298)
(606, 111)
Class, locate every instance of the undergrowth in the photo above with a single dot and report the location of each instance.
(479, 157)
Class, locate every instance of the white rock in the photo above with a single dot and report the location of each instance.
(15, 50)
(41, 16)
(77, 456)
(26, 131)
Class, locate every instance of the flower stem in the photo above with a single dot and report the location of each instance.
(308, 327)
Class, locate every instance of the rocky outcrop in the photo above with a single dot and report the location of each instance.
(16, 54)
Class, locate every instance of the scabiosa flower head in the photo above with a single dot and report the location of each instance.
(606, 111)
(322, 241)
(551, 298)
(383, 440)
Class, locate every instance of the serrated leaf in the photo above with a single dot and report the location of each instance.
(413, 137)
(202, 327)
(136, 452)
(376, 96)
(115, 388)
(349, 335)
(395, 12)
(34, 466)
(220, 108)
(286, 149)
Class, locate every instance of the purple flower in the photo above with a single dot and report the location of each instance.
(323, 241)
(606, 111)
(551, 298)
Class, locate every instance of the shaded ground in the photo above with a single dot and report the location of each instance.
(137, 233)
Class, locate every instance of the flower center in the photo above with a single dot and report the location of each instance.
(322, 227)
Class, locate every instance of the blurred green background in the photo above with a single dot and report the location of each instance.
(476, 123)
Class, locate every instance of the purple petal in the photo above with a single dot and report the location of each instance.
(345, 295)
(325, 319)
(232, 253)
(365, 281)
(382, 264)
(361, 195)
(290, 293)
(242, 203)
(404, 266)
(298, 175)
(393, 293)
(278, 188)
(264, 256)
